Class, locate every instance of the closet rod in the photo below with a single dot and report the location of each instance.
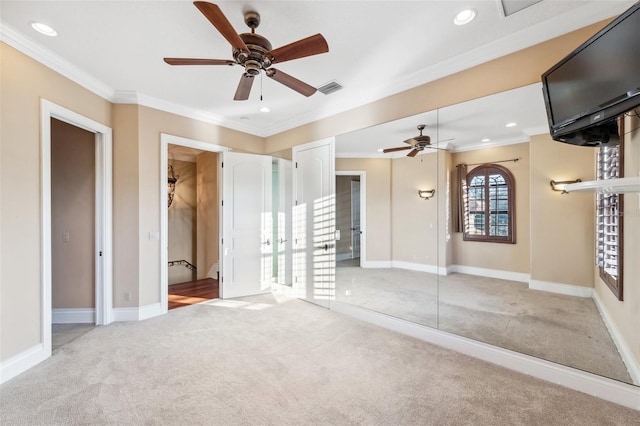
(491, 162)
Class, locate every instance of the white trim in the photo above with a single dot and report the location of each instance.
(165, 140)
(23, 361)
(135, 313)
(150, 311)
(568, 289)
(375, 264)
(490, 273)
(103, 212)
(420, 267)
(633, 366)
(600, 387)
(73, 316)
(343, 256)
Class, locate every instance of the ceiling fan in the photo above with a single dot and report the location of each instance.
(416, 144)
(254, 52)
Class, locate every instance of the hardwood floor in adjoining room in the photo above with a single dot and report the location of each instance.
(192, 292)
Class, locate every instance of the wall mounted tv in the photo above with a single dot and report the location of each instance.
(595, 84)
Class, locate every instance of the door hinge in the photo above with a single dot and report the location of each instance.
(296, 164)
(222, 203)
(100, 254)
(222, 241)
(296, 202)
(222, 165)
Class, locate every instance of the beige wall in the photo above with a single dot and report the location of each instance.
(126, 199)
(72, 213)
(182, 223)
(414, 221)
(208, 214)
(499, 256)
(24, 82)
(626, 314)
(562, 225)
(378, 209)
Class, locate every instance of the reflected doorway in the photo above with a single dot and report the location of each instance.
(349, 219)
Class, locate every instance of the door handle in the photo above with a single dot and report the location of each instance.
(267, 243)
(282, 241)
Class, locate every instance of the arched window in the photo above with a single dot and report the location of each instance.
(490, 209)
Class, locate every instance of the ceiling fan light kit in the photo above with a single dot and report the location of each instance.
(254, 52)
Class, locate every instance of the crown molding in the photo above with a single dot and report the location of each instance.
(49, 59)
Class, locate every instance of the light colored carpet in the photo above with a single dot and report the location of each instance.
(564, 329)
(273, 361)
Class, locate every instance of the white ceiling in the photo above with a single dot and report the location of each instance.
(376, 48)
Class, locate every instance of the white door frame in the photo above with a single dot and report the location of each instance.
(363, 210)
(165, 140)
(103, 214)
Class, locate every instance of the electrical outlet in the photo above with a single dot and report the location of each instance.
(65, 237)
(127, 296)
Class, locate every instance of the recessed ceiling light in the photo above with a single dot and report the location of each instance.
(485, 140)
(512, 124)
(465, 16)
(265, 109)
(44, 29)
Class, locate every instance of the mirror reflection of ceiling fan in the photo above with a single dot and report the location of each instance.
(254, 52)
(416, 144)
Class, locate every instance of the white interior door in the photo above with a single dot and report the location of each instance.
(285, 205)
(355, 219)
(247, 226)
(314, 221)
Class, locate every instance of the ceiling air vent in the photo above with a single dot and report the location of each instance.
(330, 87)
(512, 6)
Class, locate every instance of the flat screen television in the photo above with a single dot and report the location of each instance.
(587, 90)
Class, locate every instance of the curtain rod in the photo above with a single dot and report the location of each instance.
(515, 160)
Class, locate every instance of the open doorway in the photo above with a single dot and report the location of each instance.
(350, 190)
(192, 225)
(75, 253)
(73, 193)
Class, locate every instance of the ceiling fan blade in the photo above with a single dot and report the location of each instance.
(400, 148)
(244, 88)
(411, 141)
(213, 13)
(291, 82)
(309, 46)
(413, 153)
(194, 61)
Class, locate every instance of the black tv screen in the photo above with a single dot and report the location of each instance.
(596, 82)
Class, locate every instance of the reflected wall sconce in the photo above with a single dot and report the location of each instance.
(560, 185)
(171, 184)
(426, 194)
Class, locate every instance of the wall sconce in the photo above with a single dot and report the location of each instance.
(559, 185)
(426, 194)
(171, 185)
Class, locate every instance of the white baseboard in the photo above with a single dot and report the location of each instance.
(137, 313)
(22, 362)
(600, 387)
(150, 311)
(420, 267)
(568, 289)
(73, 316)
(343, 256)
(633, 367)
(375, 263)
(490, 273)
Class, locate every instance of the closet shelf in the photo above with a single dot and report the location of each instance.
(610, 186)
